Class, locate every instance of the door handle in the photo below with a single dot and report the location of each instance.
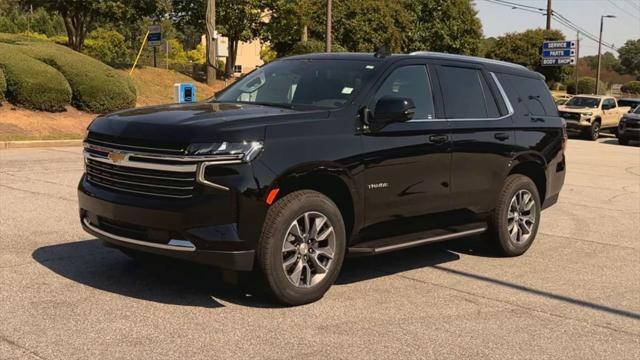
(438, 139)
(501, 136)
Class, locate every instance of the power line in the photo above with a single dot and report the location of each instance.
(633, 4)
(556, 15)
(621, 9)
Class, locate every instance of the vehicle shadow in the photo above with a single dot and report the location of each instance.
(615, 142)
(91, 263)
(174, 282)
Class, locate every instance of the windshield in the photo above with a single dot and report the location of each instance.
(301, 83)
(582, 101)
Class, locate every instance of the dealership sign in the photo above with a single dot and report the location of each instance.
(154, 38)
(558, 53)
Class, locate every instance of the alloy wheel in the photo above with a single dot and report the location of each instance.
(308, 249)
(521, 217)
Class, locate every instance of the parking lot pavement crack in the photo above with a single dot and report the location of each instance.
(628, 170)
(23, 178)
(516, 305)
(21, 348)
(590, 241)
(38, 193)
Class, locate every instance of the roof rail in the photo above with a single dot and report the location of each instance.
(466, 57)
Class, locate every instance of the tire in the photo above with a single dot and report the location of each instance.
(502, 218)
(623, 141)
(594, 131)
(284, 240)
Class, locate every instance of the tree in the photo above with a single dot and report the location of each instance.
(80, 17)
(238, 20)
(630, 58)
(609, 61)
(524, 48)
(450, 26)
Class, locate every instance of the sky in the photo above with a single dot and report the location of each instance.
(498, 20)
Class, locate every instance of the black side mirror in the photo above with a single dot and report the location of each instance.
(392, 109)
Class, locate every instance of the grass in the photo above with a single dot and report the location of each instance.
(3, 86)
(155, 85)
(55, 136)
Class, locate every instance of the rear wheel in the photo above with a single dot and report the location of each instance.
(514, 222)
(302, 247)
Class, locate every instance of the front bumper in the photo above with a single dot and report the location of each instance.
(577, 126)
(183, 229)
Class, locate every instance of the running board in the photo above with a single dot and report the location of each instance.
(380, 246)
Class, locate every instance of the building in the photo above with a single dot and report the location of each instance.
(248, 57)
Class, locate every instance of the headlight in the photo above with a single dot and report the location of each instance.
(587, 114)
(246, 150)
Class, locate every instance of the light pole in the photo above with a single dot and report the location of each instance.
(329, 20)
(600, 51)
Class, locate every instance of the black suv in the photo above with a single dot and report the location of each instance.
(311, 158)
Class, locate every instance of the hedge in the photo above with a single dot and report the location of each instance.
(97, 88)
(32, 83)
(586, 85)
(3, 87)
(632, 87)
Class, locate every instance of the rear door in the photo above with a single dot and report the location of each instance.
(407, 164)
(482, 135)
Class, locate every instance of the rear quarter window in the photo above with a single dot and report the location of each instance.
(533, 93)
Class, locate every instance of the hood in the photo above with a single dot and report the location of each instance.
(576, 109)
(199, 122)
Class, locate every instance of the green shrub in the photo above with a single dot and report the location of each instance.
(32, 83)
(586, 85)
(632, 87)
(3, 86)
(107, 46)
(96, 87)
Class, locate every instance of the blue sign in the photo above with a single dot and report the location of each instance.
(558, 53)
(155, 35)
(559, 61)
(559, 45)
(184, 93)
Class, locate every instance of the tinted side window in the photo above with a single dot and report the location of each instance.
(492, 106)
(462, 92)
(533, 92)
(410, 82)
(609, 103)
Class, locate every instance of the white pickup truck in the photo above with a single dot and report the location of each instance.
(588, 114)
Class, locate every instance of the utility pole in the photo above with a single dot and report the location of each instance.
(549, 13)
(211, 42)
(600, 51)
(577, 58)
(329, 16)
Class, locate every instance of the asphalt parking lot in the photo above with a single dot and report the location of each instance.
(575, 294)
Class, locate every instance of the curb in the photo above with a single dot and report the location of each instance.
(38, 143)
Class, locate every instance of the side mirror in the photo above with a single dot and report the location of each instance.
(391, 109)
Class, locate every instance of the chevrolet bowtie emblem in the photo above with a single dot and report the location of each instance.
(116, 157)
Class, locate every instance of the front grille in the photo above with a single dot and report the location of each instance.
(570, 116)
(634, 124)
(141, 181)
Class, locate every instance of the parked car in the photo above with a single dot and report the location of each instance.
(315, 157)
(631, 103)
(587, 115)
(561, 99)
(629, 127)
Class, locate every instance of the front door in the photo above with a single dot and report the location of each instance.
(407, 164)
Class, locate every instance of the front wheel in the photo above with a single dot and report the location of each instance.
(514, 222)
(302, 247)
(623, 141)
(594, 131)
